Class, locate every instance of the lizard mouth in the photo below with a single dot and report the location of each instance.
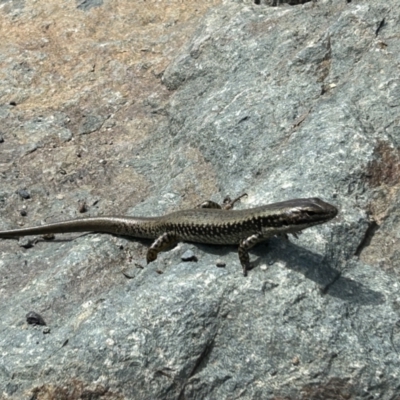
(321, 210)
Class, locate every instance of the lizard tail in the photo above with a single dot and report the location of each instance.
(137, 227)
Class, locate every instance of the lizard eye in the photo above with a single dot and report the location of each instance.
(311, 212)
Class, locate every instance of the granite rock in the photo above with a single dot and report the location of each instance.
(141, 108)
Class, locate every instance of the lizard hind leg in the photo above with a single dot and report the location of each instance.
(164, 242)
(227, 204)
(209, 204)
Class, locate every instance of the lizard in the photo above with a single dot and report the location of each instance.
(208, 223)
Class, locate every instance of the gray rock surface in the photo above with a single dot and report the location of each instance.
(279, 102)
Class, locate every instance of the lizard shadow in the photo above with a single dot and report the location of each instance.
(320, 269)
(323, 270)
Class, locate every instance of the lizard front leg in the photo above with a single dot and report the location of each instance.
(244, 246)
(162, 243)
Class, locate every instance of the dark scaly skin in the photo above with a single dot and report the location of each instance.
(203, 225)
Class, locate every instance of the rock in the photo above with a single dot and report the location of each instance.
(277, 102)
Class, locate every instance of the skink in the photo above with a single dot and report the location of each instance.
(209, 224)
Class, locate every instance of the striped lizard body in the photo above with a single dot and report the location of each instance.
(209, 224)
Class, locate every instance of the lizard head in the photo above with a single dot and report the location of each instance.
(309, 212)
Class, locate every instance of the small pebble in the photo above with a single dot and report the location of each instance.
(295, 360)
(220, 264)
(33, 318)
(23, 213)
(26, 242)
(46, 330)
(129, 273)
(82, 207)
(24, 193)
(188, 255)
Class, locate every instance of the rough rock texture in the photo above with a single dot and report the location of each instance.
(140, 108)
